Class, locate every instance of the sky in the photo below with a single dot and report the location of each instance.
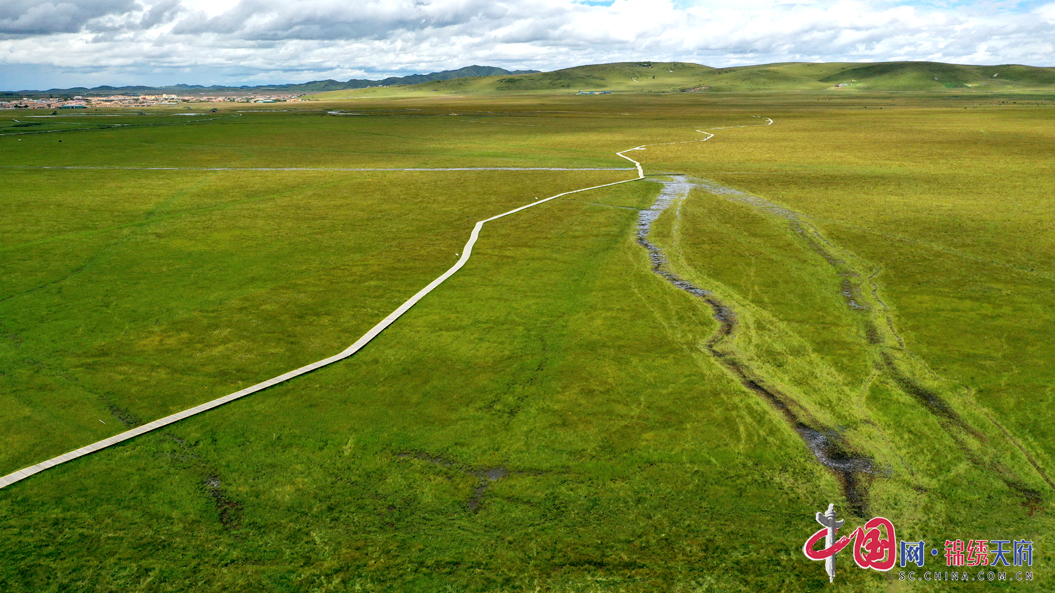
(66, 43)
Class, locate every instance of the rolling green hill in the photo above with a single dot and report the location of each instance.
(687, 77)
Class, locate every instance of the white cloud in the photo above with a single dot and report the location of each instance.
(22, 18)
(209, 7)
(236, 41)
(1046, 12)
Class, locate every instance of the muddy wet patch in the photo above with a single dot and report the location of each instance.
(885, 309)
(486, 476)
(125, 417)
(854, 471)
(927, 397)
(185, 455)
(850, 294)
(230, 512)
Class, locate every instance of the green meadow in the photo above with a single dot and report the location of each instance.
(556, 416)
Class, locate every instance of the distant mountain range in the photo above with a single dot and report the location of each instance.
(681, 77)
(644, 77)
(316, 86)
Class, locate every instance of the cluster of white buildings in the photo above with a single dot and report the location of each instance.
(49, 103)
(84, 102)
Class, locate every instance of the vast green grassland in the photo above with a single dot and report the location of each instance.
(551, 418)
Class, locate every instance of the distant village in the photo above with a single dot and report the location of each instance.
(137, 101)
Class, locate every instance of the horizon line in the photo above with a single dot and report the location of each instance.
(523, 71)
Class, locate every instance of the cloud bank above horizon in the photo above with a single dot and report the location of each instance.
(63, 43)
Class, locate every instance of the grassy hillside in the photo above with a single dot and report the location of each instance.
(685, 77)
(630, 76)
(920, 76)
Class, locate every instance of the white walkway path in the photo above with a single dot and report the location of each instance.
(358, 345)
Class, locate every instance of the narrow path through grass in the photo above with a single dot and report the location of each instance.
(358, 345)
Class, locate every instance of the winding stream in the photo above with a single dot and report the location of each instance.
(850, 468)
(893, 359)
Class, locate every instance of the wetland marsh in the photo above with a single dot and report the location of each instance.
(556, 415)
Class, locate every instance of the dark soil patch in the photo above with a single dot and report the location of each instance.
(230, 511)
(486, 476)
(127, 418)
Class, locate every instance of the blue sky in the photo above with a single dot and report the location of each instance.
(64, 43)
